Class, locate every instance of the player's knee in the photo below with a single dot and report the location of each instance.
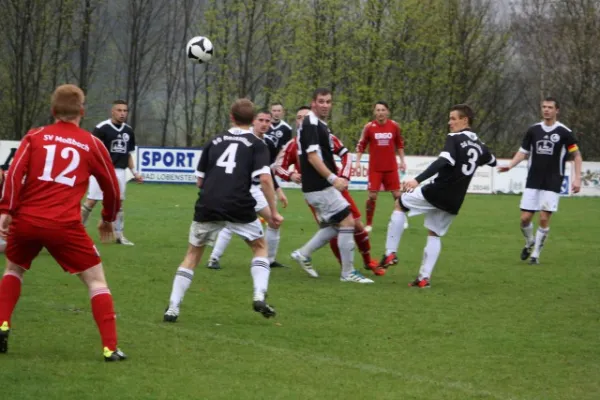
(89, 203)
(399, 206)
(342, 218)
(94, 277)
(14, 269)
(545, 219)
(526, 218)
(192, 257)
(372, 196)
(259, 247)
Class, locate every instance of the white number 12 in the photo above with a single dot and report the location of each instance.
(62, 178)
(227, 159)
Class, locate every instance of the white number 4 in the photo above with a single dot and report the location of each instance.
(227, 159)
(62, 178)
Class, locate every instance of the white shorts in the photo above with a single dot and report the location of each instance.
(95, 193)
(259, 196)
(327, 203)
(205, 233)
(539, 200)
(436, 220)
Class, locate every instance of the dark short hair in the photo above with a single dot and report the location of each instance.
(119, 101)
(382, 103)
(320, 92)
(276, 104)
(242, 111)
(464, 111)
(550, 98)
(302, 108)
(264, 111)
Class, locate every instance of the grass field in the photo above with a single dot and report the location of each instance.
(491, 327)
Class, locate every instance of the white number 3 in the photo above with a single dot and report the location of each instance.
(470, 168)
(62, 177)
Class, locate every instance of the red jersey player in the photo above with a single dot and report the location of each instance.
(383, 136)
(289, 156)
(40, 208)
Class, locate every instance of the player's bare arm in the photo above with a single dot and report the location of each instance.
(578, 162)
(339, 183)
(402, 165)
(266, 183)
(199, 182)
(282, 197)
(516, 160)
(136, 175)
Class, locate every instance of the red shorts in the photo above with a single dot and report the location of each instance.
(383, 181)
(70, 245)
(353, 208)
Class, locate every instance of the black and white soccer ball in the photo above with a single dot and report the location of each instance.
(199, 49)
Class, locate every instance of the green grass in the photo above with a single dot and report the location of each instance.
(491, 327)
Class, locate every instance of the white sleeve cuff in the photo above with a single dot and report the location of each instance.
(448, 157)
(199, 174)
(522, 150)
(493, 160)
(263, 170)
(312, 148)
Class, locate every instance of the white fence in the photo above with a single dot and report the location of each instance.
(177, 165)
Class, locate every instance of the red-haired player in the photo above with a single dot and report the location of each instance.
(40, 208)
(289, 156)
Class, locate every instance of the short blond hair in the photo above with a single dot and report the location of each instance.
(67, 102)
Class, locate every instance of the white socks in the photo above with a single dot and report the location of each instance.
(320, 239)
(346, 245)
(181, 283)
(394, 233)
(221, 244)
(260, 272)
(540, 238)
(430, 256)
(528, 234)
(272, 236)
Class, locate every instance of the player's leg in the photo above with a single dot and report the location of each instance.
(345, 240)
(221, 244)
(396, 229)
(10, 292)
(361, 236)
(120, 221)
(2, 245)
(103, 310)
(549, 201)
(374, 185)
(333, 242)
(22, 247)
(530, 203)
(320, 202)
(272, 236)
(259, 267)
(437, 222)
(201, 234)
(94, 195)
(391, 183)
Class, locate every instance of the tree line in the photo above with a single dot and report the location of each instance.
(421, 56)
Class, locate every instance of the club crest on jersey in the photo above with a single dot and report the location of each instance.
(545, 147)
(126, 137)
(118, 146)
(555, 137)
(278, 134)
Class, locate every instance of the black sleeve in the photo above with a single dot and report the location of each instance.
(487, 158)
(131, 142)
(203, 162)
(285, 137)
(98, 133)
(273, 149)
(309, 137)
(260, 162)
(433, 169)
(450, 152)
(527, 142)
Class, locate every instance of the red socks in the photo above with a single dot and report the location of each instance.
(10, 291)
(370, 211)
(104, 314)
(364, 245)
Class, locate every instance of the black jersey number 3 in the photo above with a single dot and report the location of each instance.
(227, 159)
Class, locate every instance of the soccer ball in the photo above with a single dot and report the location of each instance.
(200, 49)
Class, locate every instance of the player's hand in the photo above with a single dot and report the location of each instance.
(5, 220)
(107, 234)
(138, 177)
(283, 199)
(409, 185)
(402, 167)
(357, 166)
(503, 168)
(576, 186)
(340, 184)
(296, 178)
(276, 219)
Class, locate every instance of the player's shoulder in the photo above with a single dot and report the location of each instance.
(33, 132)
(283, 124)
(104, 124)
(311, 119)
(562, 127)
(127, 128)
(464, 135)
(394, 123)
